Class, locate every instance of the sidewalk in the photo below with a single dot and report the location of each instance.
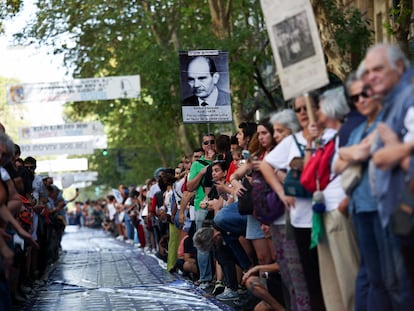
(97, 272)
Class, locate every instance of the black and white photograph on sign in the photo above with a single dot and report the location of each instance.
(205, 86)
(294, 39)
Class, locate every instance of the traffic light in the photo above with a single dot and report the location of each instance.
(104, 152)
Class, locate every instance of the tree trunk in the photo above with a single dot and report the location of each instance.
(220, 17)
(337, 62)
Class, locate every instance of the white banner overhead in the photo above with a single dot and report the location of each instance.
(62, 165)
(68, 129)
(79, 148)
(74, 90)
(296, 46)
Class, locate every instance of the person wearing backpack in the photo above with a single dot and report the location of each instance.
(338, 253)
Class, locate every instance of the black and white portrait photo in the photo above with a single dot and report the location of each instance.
(205, 83)
(293, 39)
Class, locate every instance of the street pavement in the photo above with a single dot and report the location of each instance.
(97, 272)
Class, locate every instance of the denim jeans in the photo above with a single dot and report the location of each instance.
(203, 258)
(396, 275)
(129, 228)
(229, 221)
(371, 247)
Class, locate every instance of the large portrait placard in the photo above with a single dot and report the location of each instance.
(296, 46)
(205, 86)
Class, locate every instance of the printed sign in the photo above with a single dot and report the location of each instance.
(79, 148)
(296, 46)
(205, 86)
(68, 129)
(74, 90)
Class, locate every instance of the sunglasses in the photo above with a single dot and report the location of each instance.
(355, 98)
(209, 142)
(299, 109)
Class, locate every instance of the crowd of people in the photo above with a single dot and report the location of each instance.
(32, 221)
(338, 162)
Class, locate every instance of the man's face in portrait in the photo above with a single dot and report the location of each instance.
(201, 81)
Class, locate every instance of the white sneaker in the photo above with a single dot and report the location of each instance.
(204, 285)
(138, 245)
(130, 242)
(228, 294)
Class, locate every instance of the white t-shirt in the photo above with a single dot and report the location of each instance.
(167, 200)
(334, 193)
(4, 174)
(111, 211)
(280, 157)
(153, 190)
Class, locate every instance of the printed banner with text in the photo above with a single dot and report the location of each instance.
(58, 130)
(74, 90)
(75, 148)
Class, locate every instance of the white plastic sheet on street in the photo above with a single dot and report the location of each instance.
(74, 90)
(296, 46)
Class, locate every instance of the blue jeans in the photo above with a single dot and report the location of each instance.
(396, 275)
(128, 227)
(229, 221)
(203, 258)
(371, 242)
(232, 225)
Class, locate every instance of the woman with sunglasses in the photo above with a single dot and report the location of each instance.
(363, 205)
(288, 152)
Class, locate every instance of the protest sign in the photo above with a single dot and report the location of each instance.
(296, 46)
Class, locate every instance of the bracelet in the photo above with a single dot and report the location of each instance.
(234, 178)
(310, 149)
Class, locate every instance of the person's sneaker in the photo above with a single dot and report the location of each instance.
(218, 288)
(242, 290)
(204, 285)
(228, 294)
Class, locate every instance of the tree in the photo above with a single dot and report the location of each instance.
(400, 23)
(9, 9)
(105, 38)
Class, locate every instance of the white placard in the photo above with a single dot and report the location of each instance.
(205, 86)
(62, 165)
(67, 129)
(74, 90)
(296, 46)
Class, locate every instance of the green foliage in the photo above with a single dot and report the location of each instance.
(121, 37)
(399, 15)
(8, 9)
(351, 29)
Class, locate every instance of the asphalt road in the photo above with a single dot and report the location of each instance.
(97, 272)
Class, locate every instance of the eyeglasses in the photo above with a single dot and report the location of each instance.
(209, 142)
(299, 109)
(355, 98)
